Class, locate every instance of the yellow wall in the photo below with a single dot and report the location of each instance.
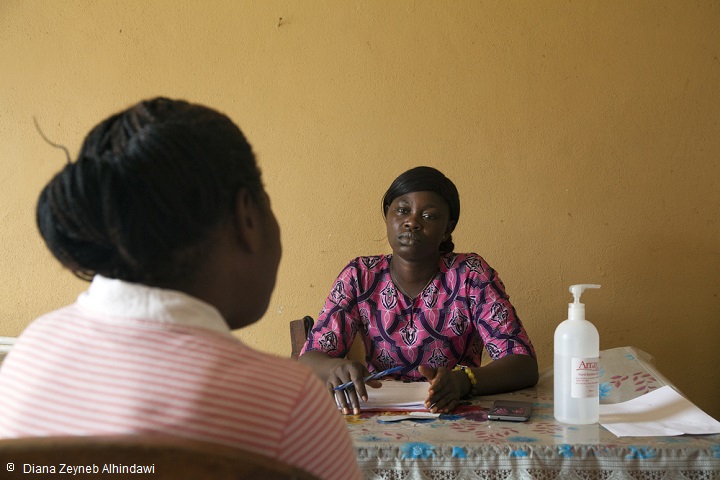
(584, 137)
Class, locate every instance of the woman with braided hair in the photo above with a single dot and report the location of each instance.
(165, 212)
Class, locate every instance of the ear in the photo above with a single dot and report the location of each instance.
(449, 230)
(246, 222)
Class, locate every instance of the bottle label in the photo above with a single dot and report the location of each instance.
(585, 376)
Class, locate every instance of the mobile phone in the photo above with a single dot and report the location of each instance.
(510, 410)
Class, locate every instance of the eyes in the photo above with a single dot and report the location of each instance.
(429, 215)
(425, 208)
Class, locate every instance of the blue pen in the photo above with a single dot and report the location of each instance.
(374, 376)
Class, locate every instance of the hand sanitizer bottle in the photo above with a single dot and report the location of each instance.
(576, 369)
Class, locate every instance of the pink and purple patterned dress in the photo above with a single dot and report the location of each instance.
(463, 309)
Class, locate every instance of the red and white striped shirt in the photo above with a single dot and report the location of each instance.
(130, 359)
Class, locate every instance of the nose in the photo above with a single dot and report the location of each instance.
(411, 222)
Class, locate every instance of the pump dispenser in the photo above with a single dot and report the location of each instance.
(576, 368)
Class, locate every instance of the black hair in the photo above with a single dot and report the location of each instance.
(149, 187)
(427, 179)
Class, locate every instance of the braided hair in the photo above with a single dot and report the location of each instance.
(148, 188)
(427, 179)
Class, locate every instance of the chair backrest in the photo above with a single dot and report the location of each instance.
(298, 334)
(6, 344)
(155, 457)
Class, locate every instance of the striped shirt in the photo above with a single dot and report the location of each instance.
(130, 359)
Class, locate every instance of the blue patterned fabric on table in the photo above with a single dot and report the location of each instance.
(465, 445)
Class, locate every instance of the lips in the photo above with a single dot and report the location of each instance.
(409, 238)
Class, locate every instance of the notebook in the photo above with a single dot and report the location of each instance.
(397, 396)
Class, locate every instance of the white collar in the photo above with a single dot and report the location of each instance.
(118, 298)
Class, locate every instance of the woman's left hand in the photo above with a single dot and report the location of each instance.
(447, 388)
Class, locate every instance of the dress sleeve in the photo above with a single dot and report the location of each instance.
(337, 324)
(494, 316)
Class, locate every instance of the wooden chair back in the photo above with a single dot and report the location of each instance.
(298, 334)
(6, 344)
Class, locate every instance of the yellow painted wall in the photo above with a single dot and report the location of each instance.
(584, 137)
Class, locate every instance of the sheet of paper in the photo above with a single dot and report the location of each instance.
(414, 416)
(662, 412)
(397, 396)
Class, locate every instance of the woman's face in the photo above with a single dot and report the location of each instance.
(417, 223)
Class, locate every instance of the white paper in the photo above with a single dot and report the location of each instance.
(662, 412)
(407, 416)
(396, 395)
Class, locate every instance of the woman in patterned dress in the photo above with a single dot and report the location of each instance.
(424, 308)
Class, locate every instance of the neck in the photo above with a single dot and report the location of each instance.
(412, 277)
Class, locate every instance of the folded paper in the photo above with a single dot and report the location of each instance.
(662, 412)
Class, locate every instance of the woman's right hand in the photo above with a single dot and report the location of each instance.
(348, 399)
(336, 371)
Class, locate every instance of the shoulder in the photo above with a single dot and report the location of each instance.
(453, 261)
(49, 322)
(373, 262)
(467, 265)
(367, 264)
(469, 256)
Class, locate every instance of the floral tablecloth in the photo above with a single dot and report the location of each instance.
(465, 445)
